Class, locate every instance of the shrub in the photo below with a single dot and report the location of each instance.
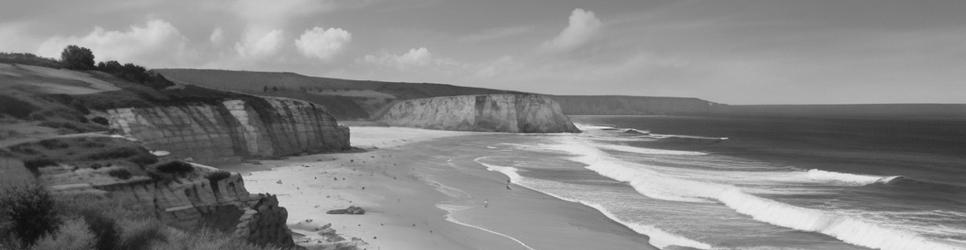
(141, 234)
(217, 176)
(101, 121)
(73, 205)
(77, 58)
(104, 229)
(75, 234)
(34, 165)
(122, 174)
(114, 153)
(30, 211)
(175, 167)
(15, 107)
(143, 159)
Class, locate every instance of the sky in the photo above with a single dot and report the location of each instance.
(728, 51)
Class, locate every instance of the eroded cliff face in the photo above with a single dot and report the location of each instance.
(515, 113)
(182, 195)
(233, 129)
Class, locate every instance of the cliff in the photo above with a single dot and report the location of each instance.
(233, 129)
(515, 113)
(56, 125)
(182, 195)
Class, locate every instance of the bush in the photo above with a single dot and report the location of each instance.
(217, 176)
(15, 107)
(122, 174)
(104, 229)
(114, 153)
(77, 58)
(75, 234)
(34, 165)
(101, 121)
(30, 211)
(143, 159)
(175, 167)
(142, 234)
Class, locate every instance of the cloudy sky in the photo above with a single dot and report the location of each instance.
(731, 51)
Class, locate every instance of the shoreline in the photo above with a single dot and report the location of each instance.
(414, 200)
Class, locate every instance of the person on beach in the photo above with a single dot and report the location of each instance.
(508, 185)
(486, 203)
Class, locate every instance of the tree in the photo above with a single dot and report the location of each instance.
(30, 212)
(77, 58)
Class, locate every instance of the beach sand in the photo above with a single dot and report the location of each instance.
(414, 200)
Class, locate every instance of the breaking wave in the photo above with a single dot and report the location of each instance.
(848, 228)
(856, 179)
(649, 151)
(658, 237)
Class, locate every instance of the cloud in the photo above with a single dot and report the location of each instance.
(581, 28)
(217, 36)
(156, 43)
(323, 44)
(259, 44)
(415, 57)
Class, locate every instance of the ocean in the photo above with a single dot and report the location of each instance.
(754, 182)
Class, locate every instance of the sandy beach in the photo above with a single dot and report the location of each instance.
(415, 198)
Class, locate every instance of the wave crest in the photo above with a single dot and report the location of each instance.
(857, 179)
(850, 229)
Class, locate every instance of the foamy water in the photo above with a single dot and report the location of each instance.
(743, 192)
(658, 237)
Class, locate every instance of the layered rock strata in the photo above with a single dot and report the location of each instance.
(515, 113)
(233, 129)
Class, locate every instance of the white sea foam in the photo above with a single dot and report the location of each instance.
(582, 127)
(690, 137)
(510, 172)
(649, 151)
(857, 179)
(850, 229)
(449, 217)
(658, 237)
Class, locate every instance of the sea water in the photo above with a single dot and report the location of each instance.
(747, 183)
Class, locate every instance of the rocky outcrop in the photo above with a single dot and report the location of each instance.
(516, 113)
(233, 129)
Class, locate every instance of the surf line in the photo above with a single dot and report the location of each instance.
(449, 213)
(449, 217)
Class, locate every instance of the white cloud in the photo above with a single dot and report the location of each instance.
(217, 36)
(157, 43)
(323, 44)
(416, 57)
(581, 28)
(259, 44)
